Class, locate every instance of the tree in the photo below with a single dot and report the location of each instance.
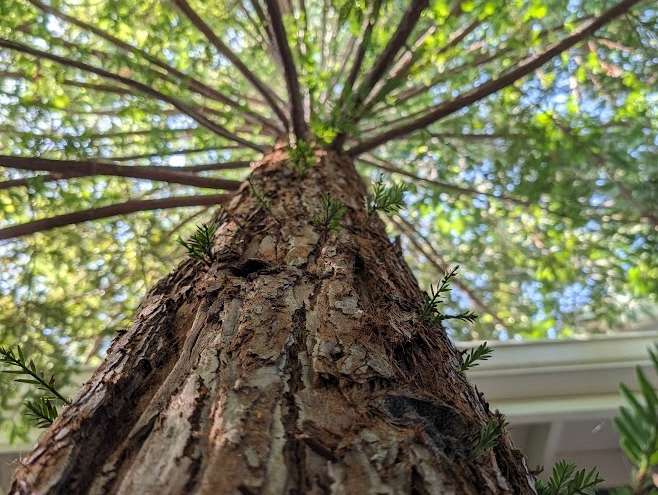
(294, 350)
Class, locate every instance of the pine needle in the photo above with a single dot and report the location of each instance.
(41, 412)
(488, 437)
(637, 422)
(567, 480)
(199, 246)
(28, 369)
(333, 211)
(387, 199)
(472, 356)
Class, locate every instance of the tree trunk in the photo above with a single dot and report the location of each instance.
(294, 363)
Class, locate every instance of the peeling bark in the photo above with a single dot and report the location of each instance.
(295, 363)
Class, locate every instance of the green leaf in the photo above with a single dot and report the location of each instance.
(387, 199)
(471, 357)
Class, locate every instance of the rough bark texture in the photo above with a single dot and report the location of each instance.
(295, 363)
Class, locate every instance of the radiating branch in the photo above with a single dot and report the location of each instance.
(405, 95)
(494, 85)
(364, 43)
(186, 131)
(162, 154)
(470, 136)
(226, 51)
(401, 70)
(267, 26)
(141, 87)
(419, 89)
(290, 71)
(385, 59)
(191, 82)
(237, 164)
(87, 168)
(125, 208)
(54, 177)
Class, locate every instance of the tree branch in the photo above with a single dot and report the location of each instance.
(271, 44)
(192, 83)
(186, 131)
(86, 168)
(160, 154)
(466, 136)
(386, 58)
(25, 181)
(345, 56)
(495, 85)
(125, 208)
(400, 72)
(217, 166)
(290, 71)
(412, 92)
(224, 50)
(368, 26)
(142, 88)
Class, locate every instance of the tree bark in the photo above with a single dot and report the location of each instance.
(294, 363)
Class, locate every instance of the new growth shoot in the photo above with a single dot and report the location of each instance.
(488, 437)
(199, 246)
(333, 211)
(429, 310)
(42, 411)
(302, 157)
(471, 357)
(387, 199)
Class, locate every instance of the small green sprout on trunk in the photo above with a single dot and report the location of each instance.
(488, 437)
(333, 211)
(41, 411)
(471, 357)
(302, 157)
(262, 200)
(387, 199)
(200, 245)
(429, 310)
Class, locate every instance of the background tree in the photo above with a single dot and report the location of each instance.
(525, 133)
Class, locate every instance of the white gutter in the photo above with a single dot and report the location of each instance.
(561, 379)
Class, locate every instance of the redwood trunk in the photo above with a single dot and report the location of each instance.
(295, 363)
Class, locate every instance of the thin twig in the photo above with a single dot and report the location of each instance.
(290, 71)
(86, 167)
